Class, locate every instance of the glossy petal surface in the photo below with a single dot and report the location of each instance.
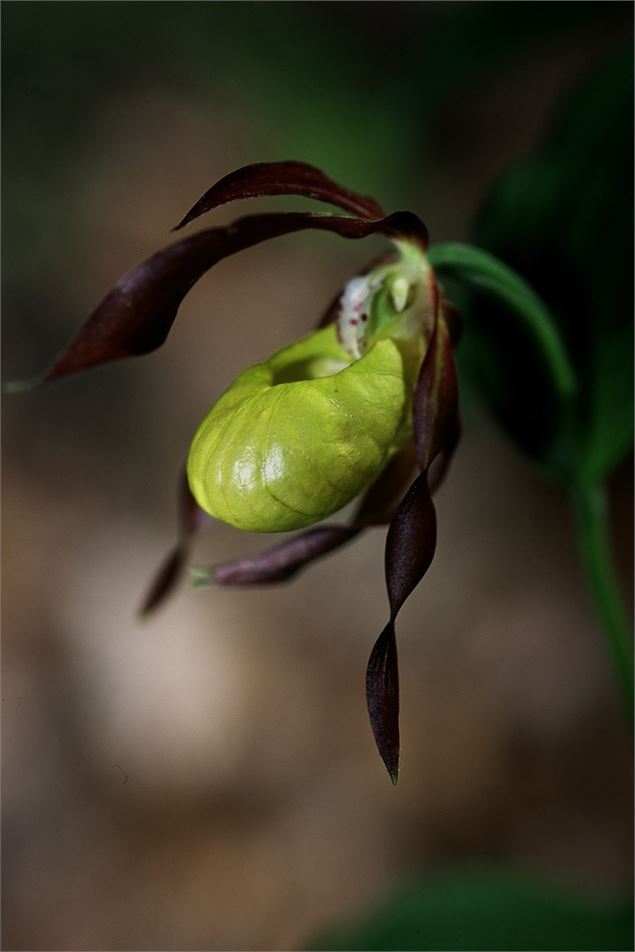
(276, 454)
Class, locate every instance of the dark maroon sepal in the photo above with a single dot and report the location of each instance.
(381, 500)
(283, 561)
(282, 178)
(136, 316)
(382, 698)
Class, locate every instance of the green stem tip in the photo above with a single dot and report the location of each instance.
(591, 512)
(484, 272)
(200, 576)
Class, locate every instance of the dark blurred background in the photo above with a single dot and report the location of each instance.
(207, 779)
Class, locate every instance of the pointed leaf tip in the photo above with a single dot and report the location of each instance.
(410, 543)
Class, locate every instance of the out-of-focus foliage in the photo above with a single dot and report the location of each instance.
(366, 92)
(564, 220)
(489, 910)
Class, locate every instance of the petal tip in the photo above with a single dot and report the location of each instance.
(382, 697)
(147, 606)
(20, 386)
(151, 601)
(200, 577)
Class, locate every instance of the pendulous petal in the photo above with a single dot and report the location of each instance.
(410, 546)
(382, 698)
(192, 520)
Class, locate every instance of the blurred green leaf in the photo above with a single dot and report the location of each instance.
(520, 315)
(564, 221)
(487, 910)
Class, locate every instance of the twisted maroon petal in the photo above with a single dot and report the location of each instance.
(282, 178)
(410, 543)
(435, 406)
(382, 698)
(411, 539)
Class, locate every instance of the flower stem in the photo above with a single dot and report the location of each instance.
(485, 272)
(591, 510)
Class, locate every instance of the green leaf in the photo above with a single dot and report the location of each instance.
(563, 220)
(524, 368)
(487, 909)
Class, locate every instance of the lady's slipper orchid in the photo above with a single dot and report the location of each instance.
(352, 409)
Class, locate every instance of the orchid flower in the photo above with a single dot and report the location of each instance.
(360, 408)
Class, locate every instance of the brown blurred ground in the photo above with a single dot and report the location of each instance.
(207, 780)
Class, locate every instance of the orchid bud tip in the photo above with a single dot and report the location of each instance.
(184, 221)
